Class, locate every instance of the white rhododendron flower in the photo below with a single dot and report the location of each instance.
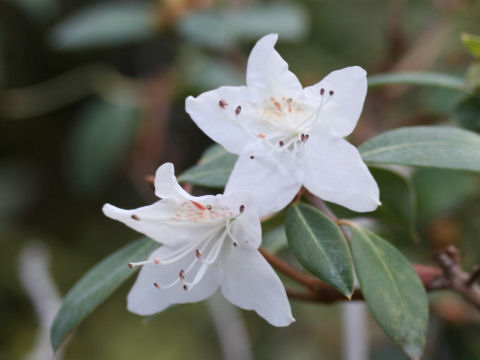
(287, 136)
(208, 242)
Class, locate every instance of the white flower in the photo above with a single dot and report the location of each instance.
(287, 136)
(208, 241)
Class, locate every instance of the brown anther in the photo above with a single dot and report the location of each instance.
(331, 92)
(322, 91)
(242, 208)
(131, 265)
(281, 143)
(198, 253)
(135, 217)
(289, 100)
(157, 285)
(209, 207)
(157, 260)
(262, 135)
(238, 110)
(185, 287)
(235, 244)
(252, 157)
(303, 137)
(307, 136)
(223, 103)
(181, 274)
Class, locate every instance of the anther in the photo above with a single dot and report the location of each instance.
(223, 103)
(238, 110)
(252, 157)
(281, 143)
(157, 285)
(181, 274)
(235, 244)
(135, 217)
(322, 91)
(262, 135)
(242, 208)
(198, 253)
(185, 287)
(331, 92)
(209, 207)
(157, 260)
(303, 137)
(131, 265)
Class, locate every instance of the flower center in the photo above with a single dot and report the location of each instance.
(282, 123)
(204, 250)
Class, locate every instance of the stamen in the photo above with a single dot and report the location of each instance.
(252, 157)
(262, 135)
(331, 92)
(155, 260)
(209, 207)
(281, 143)
(185, 287)
(303, 137)
(135, 217)
(322, 91)
(223, 103)
(157, 285)
(242, 208)
(198, 254)
(238, 110)
(235, 244)
(181, 274)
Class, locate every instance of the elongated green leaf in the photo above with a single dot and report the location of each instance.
(320, 246)
(107, 24)
(437, 147)
(213, 169)
(95, 286)
(418, 78)
(399, 204)
(392, 289)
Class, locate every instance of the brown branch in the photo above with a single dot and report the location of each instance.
(448, 276)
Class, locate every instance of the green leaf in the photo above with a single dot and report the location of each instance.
(429, 146)
(213, 169)
(398, 199)
(320, 246)
(108, 24)
(392, 289)
(95, 286)
(100, 140)
(224, 28)
(418, 78)
(472, 42)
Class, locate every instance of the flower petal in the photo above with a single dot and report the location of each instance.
(342, 109)
(145, 299)
(153, 221)
(334, 171)
(166, 185)
(246, 228)
(266, 70)
(272, 177)
(250, 283)
(219, 120)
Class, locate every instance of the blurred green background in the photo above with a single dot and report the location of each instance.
(92, 100)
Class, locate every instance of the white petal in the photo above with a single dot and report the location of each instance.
(267, 71)
(145, 299)
(334, 171)
(220, 123)
(272, 177)
(250, 283)
(150, 222)
(342, 109)
(246, 228)
(166, 185)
